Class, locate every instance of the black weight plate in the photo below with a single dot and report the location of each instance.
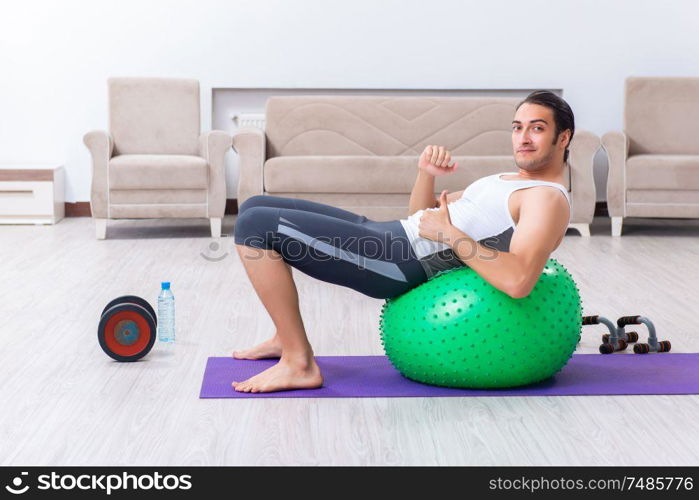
(132, 299)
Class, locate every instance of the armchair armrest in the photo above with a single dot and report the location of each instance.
(250, 144)
(582, 182)
(101, 147)
(213, 146)
(616, 144)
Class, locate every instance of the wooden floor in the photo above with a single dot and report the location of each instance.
(64, 402)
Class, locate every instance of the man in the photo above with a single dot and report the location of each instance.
(542, 129)
(526, 214)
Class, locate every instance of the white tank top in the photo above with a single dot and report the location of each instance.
(482, 212)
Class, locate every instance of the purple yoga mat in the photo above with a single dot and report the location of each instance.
(374, 377)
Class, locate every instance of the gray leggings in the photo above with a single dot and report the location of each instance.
(332, 244)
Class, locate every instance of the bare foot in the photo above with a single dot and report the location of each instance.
(282, 376)
(271, 348)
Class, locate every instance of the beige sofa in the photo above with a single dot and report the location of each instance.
(654, 162)
(360, 152)
(154, 162)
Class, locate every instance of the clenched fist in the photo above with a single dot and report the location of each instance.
(435, 161)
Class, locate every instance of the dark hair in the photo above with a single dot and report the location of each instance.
(562, 114)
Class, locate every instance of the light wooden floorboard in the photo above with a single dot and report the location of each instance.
(63, 402)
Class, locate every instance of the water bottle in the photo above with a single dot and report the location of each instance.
(166, 313)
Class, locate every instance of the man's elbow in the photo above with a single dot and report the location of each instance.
(519, 289)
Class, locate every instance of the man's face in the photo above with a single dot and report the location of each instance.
(534, 137)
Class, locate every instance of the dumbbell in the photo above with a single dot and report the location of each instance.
(614, 341)
(127, 328)
(653, 344)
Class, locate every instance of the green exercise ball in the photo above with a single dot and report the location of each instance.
(457, 330)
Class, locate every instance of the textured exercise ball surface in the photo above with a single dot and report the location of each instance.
(457, 330)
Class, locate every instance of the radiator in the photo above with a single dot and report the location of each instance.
(256, 120)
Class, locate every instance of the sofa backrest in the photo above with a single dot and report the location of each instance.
(388, 126)
(659, 115)
(154, 115)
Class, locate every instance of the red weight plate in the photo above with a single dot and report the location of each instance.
(127, 350)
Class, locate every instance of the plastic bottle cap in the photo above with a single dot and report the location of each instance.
(165, 285)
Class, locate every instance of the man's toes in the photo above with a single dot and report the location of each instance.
(240, 386)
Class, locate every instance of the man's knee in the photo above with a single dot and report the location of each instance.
(255, 226)
(254, 201)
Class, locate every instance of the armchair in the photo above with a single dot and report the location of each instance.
(654, 162)
(153, 162)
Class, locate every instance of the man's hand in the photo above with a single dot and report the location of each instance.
(435, 161)
(436, 224)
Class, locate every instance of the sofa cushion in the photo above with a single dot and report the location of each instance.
(388, 125)
(664, 196)
(662, 172)
(659, 115)
(157, 196)
(158, 172)
(154, 115)
(387, 206)
(372, 174)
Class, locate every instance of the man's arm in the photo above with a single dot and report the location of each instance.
(543, 217)
(423, 191)
(422, 195)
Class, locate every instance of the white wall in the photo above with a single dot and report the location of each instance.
(55, 56)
